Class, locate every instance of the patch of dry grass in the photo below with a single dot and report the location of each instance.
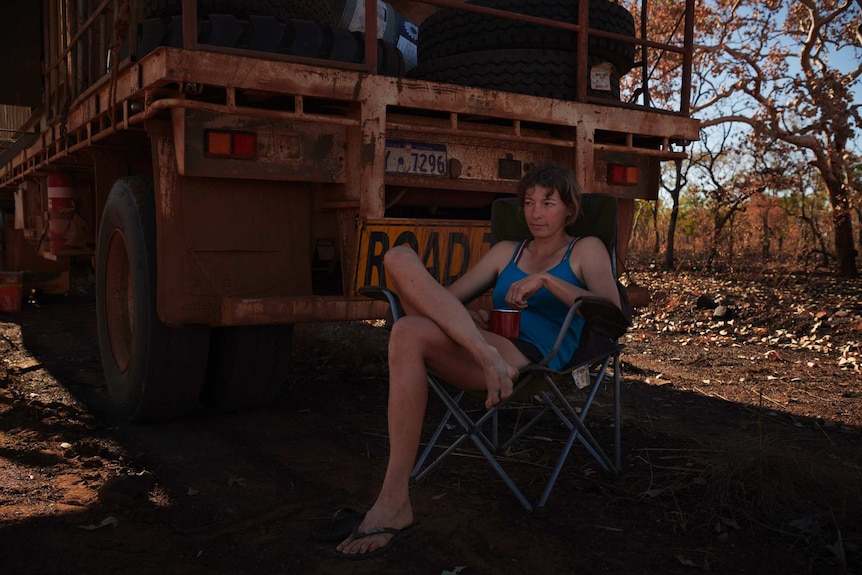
(357, 349)
(775, 480)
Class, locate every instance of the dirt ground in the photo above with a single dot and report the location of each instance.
(742, 453)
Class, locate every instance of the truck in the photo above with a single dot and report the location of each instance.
(224, 170)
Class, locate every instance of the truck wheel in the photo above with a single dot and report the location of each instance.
(279, 9)
(152, 371)
(247, 366)
(546, 73)
(448, 31)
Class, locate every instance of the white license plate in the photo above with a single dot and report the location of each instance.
(416, 158)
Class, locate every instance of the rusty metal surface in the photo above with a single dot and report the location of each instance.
(236, 236)
(197, 280)
(98, 31)
(52, 276)
(251, 311)
(288, 151)
(174, 65)
(347, 223)
(647, 186)
(221, 238)
(169, 66)
(21, 85)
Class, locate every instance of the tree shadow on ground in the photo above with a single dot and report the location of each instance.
(707, 484)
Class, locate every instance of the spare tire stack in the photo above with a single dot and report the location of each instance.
(472, 49)
(282, 10)
(296, 27)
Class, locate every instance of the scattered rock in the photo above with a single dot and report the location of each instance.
(107, 521)
(722, 312)
(91, 462)
(26, 365)
(705, 302)
(639, 296)
(127, 490)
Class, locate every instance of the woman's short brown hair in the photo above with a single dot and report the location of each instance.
(553, 177)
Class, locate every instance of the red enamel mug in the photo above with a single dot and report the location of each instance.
(506, 322)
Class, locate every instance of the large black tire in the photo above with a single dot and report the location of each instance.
(247, 366)
(297, 27)
(449, 31)
(152, 371)
(546, 73)
(316, 10)
(295, 37)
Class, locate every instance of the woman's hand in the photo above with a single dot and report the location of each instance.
(521, 290)
(481, 318)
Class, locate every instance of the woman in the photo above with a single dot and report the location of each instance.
(540, 277)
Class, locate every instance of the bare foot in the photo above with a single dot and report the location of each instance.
(499, 376)
(377, 517)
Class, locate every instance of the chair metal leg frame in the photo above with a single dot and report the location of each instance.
(550, 404)
(578, 428)
(415, 475)
(471, 428)
(614, 359)
(567, 415)
(579, 431)
(473, 431)
(547, 406)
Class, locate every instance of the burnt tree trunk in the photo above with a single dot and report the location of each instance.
(674, 216)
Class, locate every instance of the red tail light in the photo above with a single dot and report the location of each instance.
(620, 175)
(227, 144)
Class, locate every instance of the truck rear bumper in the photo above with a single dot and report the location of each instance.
(273, 310)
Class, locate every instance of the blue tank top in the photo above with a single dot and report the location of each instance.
(544, 315)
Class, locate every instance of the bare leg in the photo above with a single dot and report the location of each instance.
(420, 294)
(419, 340)
(408, 395)
(416, 342)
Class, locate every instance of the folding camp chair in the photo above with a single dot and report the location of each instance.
(596, 361)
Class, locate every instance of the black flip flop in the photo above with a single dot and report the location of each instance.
(338, 527)
(397, 534)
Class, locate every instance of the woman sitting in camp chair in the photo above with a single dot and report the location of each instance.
(541, 277)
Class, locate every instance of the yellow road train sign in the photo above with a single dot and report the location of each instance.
(448, 248)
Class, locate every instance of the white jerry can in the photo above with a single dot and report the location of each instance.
(391, 26)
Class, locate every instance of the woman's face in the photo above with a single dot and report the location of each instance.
(545, 211)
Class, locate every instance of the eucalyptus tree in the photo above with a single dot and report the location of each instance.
(788, 69)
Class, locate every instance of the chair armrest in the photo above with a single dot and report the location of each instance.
(600, 315)
(603, 316)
